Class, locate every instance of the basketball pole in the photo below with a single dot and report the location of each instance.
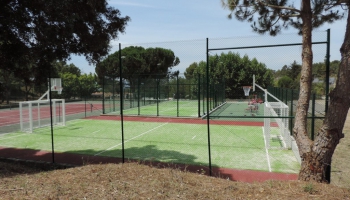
(253, 82)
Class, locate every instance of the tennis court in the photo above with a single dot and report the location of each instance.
(174, 108)
(188, 108)
(162, 139)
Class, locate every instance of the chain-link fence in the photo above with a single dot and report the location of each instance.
(32, 105)
(170, 96)
(316, 112)
(199, 117)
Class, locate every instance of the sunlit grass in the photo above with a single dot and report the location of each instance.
(239, 147)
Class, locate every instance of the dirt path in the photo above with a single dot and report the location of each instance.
(341, 159)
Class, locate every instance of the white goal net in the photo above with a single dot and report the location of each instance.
(276, 124)
(276, 120)
(35, 114)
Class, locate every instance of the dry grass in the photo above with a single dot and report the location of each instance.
(340, 161)
(137, 181)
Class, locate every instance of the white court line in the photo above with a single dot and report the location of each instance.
(267, 152)
(130, 139)
(13, 136)
(194, 137)
(175, 109)
(43, 129)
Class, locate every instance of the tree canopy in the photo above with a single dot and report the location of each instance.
(233, 70)
(138, 62)
(56, 29)
(273, 16)
(33, 34)
(74, 83)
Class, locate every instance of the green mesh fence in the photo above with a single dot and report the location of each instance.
(174, 96)
(193, 111)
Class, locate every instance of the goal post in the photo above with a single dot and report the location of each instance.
(276, 121)
(276, 124)
(35, 114)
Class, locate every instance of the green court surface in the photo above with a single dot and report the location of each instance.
(236, 147)
(186, 108)
(234, 110)
(192, 108)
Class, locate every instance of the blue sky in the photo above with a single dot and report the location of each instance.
(159, 21)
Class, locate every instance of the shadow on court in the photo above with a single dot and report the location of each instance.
(48, 161)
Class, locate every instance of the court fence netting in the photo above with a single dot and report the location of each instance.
(200, 118)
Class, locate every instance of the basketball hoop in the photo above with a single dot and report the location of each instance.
(246, 90)
(59, 90)
(56, 86)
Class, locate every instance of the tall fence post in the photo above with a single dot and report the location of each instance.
(121, 100)
(51, 119)
(291, 111)
(113, 93)
(144, 93)
(177, 95)
(327, 69)
(138, 95)
(199, 94)
(85, 106)
(157, 96)
(204, 95)
(103, 95)
(208, 121)
(313, 117)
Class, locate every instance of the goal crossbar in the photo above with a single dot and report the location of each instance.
(35, 114)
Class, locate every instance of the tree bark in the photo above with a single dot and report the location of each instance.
(300, 126)
(317, 159)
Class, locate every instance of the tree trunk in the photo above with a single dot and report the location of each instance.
(300, 126)
(317, 160)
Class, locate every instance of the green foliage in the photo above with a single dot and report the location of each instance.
(8, 84)
(319, 69)
(309, 188)
(233, 71)
(61, 67)
(70, 84)
(273, 16)
(190, 71)
(34, 34)
(284, 82)
(48, 29)
(74, 83)
(288, 76)
(319, 88)
(87, 85)
(138, 62)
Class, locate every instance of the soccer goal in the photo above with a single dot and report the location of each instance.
(276, 121)
(276, 124)
(35, 114)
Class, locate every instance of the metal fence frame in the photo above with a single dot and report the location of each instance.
(211, 99)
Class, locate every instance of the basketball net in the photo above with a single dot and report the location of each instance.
(246, 90)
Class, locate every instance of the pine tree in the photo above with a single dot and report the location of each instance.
(271, 16)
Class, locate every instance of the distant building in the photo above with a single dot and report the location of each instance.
(331, 81)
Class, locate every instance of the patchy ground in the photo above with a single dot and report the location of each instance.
(341, 159)
(137, 181)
